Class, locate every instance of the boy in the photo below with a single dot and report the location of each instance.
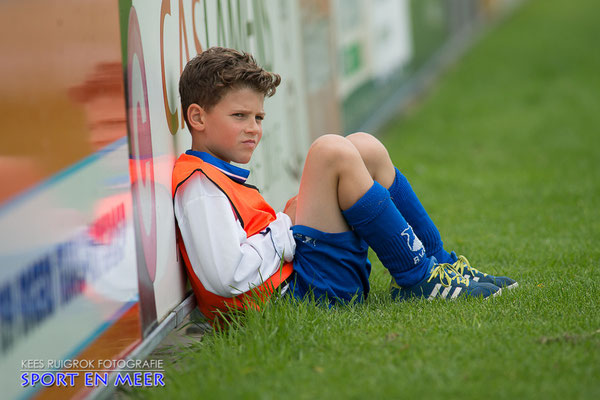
(351, 197)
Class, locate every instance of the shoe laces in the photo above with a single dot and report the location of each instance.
(447, 274)
(462, 263)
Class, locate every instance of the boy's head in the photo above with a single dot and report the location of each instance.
(211, 74)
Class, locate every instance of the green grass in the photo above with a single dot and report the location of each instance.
(505, 155)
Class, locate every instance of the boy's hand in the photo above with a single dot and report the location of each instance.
(290, 208)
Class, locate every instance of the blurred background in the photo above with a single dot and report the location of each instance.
(91, 126)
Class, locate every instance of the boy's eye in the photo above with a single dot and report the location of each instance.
(238, 115)
(260, 118)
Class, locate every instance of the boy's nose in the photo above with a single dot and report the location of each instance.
(253, 127)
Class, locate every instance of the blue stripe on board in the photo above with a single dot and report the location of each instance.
(54, 179)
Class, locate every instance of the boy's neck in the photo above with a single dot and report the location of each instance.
(198, 147)
(202, 149)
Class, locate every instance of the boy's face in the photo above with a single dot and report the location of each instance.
(232, 128)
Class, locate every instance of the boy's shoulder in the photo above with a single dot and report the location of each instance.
(224, 175)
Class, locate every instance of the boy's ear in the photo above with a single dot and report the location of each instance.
(196, 117)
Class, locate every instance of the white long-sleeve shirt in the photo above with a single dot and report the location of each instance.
(226, 261)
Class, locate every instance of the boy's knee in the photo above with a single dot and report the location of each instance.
(361, 137)
(333, 148)
(367, 144)
(370, 148)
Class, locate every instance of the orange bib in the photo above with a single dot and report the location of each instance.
(254, 214)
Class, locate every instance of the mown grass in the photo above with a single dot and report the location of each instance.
(505, 154)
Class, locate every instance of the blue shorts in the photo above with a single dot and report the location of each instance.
(331, 266)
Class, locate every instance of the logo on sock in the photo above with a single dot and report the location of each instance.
(412, 240)
(414, 243)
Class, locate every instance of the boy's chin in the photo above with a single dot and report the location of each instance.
(245, 159)
(242, 160)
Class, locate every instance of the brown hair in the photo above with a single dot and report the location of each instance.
(207, 77)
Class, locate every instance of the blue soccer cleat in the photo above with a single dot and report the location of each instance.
(444, 282)
(462, 267)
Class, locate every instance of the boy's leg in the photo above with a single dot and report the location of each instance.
(378, 161)
(330, 260)
(337, 191)
(335, 178)
(380, 166)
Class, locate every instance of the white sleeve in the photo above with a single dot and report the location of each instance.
(225, 260)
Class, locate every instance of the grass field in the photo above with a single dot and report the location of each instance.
(505, 155)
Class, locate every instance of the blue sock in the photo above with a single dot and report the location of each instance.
(379, 223)
(411, 208)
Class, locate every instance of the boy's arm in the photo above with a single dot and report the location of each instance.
(225, 260)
